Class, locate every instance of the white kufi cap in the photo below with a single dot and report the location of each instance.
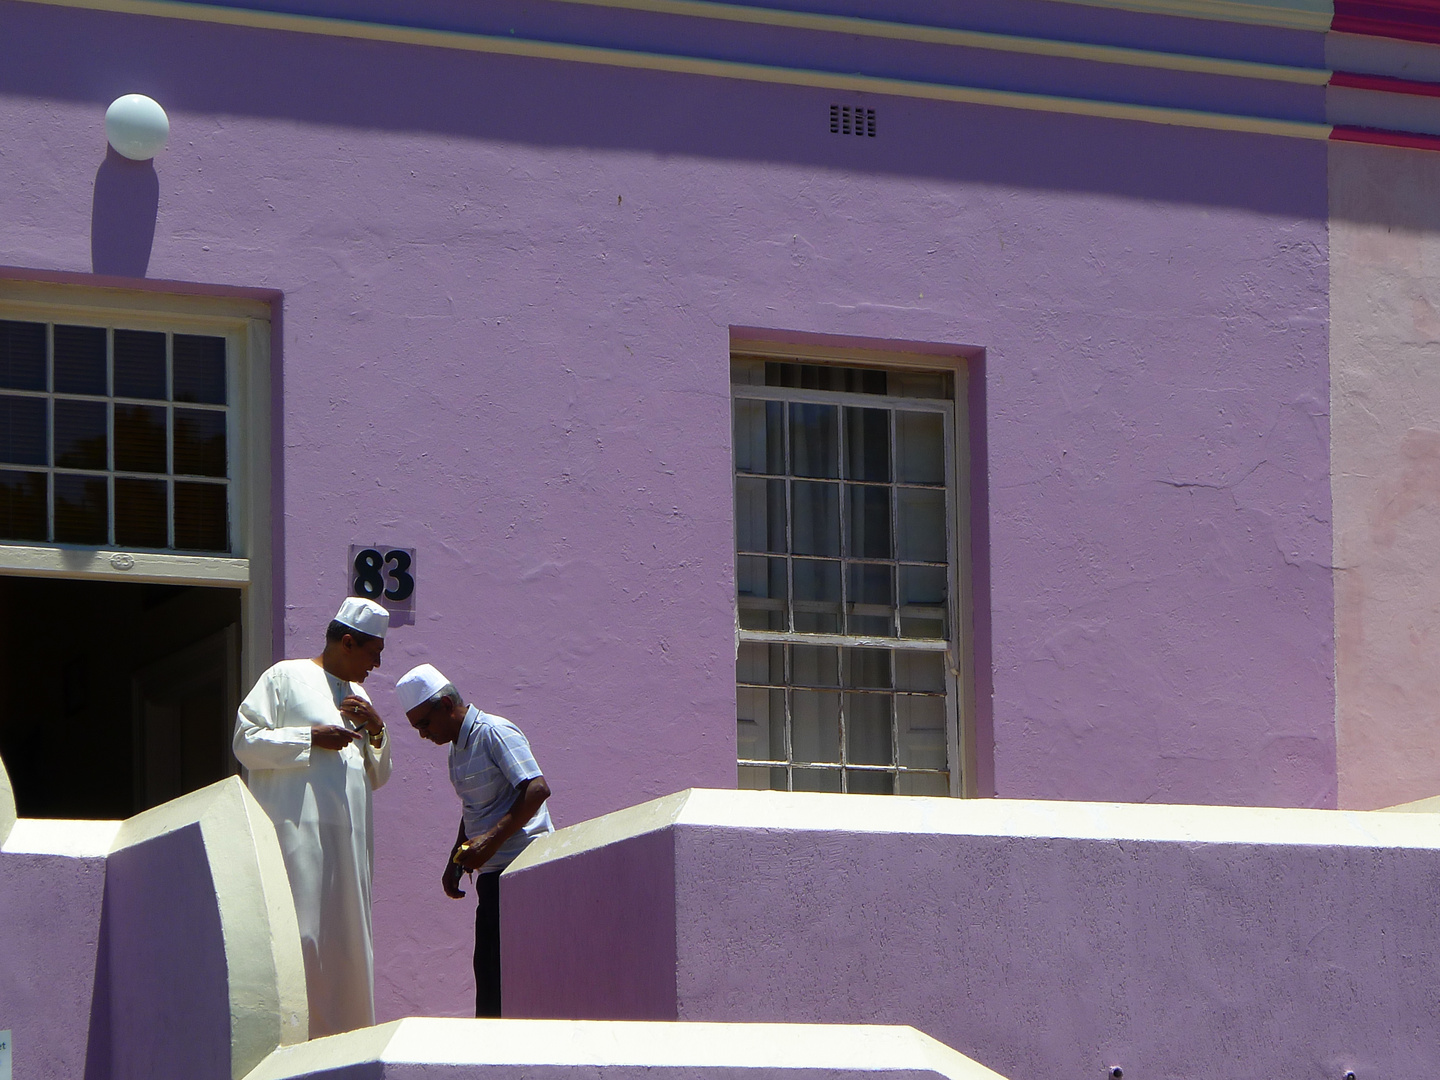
(419, 685)
(364, 615)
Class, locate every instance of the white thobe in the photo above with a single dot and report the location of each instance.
(319, 801)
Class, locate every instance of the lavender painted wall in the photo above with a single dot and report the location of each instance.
(52, 979)
(507, 292)
(1039, 955)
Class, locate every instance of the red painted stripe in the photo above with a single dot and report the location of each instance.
(1402, 139)
(1408, 20)
(1385, 83)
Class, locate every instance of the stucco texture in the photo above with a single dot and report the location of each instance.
(1385, 318)
(508, 287)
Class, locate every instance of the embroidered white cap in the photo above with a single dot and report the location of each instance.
(419, 685)
(364, 615)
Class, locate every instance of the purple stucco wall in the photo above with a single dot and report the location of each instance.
(52, 979)
(507, 292)
(1038, 956)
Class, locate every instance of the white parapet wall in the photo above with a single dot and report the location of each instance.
(618, 1050)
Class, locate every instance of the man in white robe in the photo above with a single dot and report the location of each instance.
(314, 748)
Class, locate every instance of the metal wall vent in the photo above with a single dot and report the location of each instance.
(845, 120)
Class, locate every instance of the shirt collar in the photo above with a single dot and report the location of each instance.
(468, 726)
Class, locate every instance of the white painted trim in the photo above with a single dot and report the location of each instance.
(60, 561)
(725, 69)
(773, 811)
(592, 1045)
(57, 836)
(7, 805)
(1366, 55)
(1314, 15)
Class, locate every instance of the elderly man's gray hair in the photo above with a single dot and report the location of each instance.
(446, 691)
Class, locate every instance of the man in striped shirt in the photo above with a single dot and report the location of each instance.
(502, 794)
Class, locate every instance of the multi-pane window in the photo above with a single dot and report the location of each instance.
(844, 510)
(114, 436)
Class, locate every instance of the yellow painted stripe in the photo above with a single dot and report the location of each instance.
(724, 69)
(1313, 15)
(970, 39)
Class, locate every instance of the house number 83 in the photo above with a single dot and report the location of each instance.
(386, 574)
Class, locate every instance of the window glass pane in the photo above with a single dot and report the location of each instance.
(867, 668)
(22, 505)
(140, 364)
(814, 440)
(920, 671)
(761, 778)
(746, 371)
(922, 599)
(760, 727)
(141, 517)
(869, 512)
(814, 725)
(870, 599)
(22, 355)
(82, 509)
(759, 514)
(920, 448)
(23, 430)
(816, 779)
(921, 524)
(80, 360)
(817, 596)
(760, 593)
(865, 782)
(814, 665)
(816, 523)
(920, 729)
(923, 784)
(867, 445)
(200, 442)
(201, 517)
(199, 369)
(867, 729)
(81, 441)
(760, 664)
(759, 437)
(140, 438)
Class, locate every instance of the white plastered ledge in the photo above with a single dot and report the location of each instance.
(266, 970)
(7, 805)
(588, 1045)
(805, 812)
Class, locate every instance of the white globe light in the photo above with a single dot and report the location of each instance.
(136, 126)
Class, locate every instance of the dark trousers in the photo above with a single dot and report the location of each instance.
(487, 945)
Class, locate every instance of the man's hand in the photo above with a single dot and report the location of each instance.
(450, 881)
(474, 854)
(332, 736)
(362, 714)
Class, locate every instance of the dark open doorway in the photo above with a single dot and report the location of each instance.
(115, 696)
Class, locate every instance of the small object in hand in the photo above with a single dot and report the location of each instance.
(462, 851)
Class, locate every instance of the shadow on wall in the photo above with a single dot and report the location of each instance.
(200, 69)
(122, 216)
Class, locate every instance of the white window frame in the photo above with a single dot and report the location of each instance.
(960, 681)
(245, 325)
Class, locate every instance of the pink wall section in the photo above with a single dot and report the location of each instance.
(1039, 956)
(1385, 310)
(508, 288)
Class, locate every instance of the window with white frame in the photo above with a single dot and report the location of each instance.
(846, 577)
(114, 436)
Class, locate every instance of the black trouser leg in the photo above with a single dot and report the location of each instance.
(487, 945)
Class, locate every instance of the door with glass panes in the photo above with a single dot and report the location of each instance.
(845, 500)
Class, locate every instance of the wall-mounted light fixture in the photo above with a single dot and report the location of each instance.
(136, 127)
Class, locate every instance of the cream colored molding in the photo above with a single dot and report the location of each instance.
(906, 814)
(1368, 55)
(590, 1046)
(264, 965)
(1430, 805)
(114, 565)
(58, 836)
(1315, 15)
(968, 39)
(7, 805)
(725, 69)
